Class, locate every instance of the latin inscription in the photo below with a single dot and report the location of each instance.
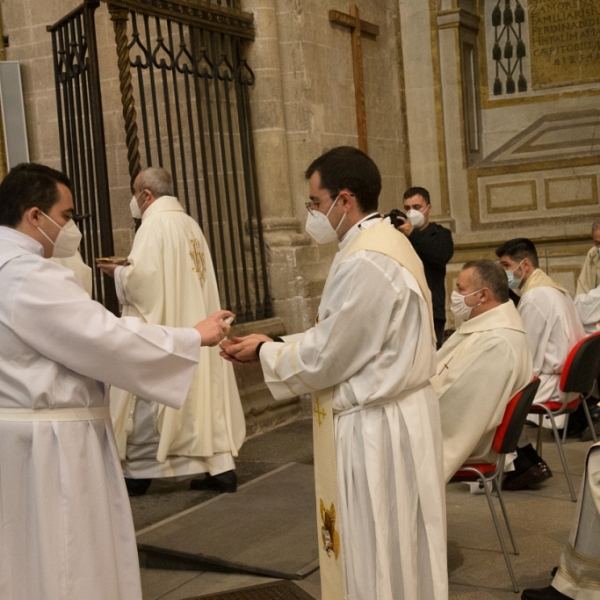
(564, 42)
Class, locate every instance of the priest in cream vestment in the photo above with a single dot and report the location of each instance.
(587, 295)
(373, 349)
(481, 366)
(170, 281)
(66, 531)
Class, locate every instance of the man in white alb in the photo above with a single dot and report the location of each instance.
(552, 327)
(170, 280)
(66, 531)
(367, 361)
(481, 366)
(587, 295)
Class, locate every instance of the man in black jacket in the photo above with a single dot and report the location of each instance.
(434, 246)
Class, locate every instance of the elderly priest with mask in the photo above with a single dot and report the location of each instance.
(66, 531)
(169, 279)
(367, 362)
(481, 366)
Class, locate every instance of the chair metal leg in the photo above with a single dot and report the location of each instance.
(488, 495)
(586, 410)
(538, 446)
(562, 457)
(498, 486)
(564, 434)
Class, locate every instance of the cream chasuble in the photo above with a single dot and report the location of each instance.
(372, 353)
(479, 369)
(170, 281)
(587, 296)
(553, 328)
(578, 574)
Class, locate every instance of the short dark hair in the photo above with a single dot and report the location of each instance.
(414, 191)
(349, 168)
(491, 275)
(518, 249)
(28, 185)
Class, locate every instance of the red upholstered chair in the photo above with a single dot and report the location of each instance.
(505, 441)
(578, 375)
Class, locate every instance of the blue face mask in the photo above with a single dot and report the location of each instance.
(513, 282)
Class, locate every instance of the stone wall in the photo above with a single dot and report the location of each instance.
(303, 104)
(515, 136)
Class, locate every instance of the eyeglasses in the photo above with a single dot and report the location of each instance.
(309, 205)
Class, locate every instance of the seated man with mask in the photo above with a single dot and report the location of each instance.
(587, 295)
(481, 366)
(553, 328)
(433, 245)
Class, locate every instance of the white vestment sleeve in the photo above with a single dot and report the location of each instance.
(118, 274)
(344, 340)
(588, 309)
(537, 330)
(157, 363)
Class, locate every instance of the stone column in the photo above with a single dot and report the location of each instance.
(423, 90)
(289, 250)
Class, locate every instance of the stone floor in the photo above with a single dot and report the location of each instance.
(541, 521)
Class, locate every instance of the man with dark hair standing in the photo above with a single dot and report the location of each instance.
(66, 530)
(434, 246)
(367, 362)
(587, 294)
(552, 327)
(481, 366)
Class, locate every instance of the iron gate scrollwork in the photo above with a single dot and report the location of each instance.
(81, 135)
(184, 84)
(184, 90)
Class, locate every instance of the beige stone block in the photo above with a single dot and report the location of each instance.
(122, 240)
(572, 190)
(18, 38)
(262, 56)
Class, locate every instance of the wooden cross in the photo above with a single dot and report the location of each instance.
(358, 28)
(319, 411)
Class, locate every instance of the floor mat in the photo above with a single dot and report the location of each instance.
(279, 590)
(268, 527)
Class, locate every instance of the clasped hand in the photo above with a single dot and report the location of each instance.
(242, 350)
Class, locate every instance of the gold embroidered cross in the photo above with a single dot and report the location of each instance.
(318, 410)
(198, 259)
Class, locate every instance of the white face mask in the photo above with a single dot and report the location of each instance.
(319, 227)
(415, 218)
(67, 241)
(136, 210)
(459, 307)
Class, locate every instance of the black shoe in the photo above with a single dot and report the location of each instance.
(137, 487)
(223, 482)
(547, 593)
(516, 480)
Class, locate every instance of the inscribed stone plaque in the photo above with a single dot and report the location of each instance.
(564, 42)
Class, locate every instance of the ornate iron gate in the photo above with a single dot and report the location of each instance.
(184, 89)
(81, 134)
